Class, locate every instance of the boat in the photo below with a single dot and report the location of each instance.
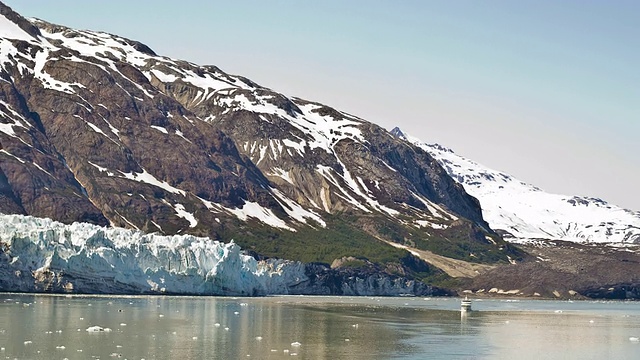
(465, 305)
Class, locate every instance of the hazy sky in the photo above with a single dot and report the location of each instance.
(548, 91)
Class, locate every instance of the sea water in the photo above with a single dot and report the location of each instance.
(165, 327)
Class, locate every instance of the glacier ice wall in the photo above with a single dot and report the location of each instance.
(43, 255)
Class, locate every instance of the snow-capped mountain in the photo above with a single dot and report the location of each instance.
(98, 128)
(524, 211)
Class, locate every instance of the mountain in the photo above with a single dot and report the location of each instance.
(524, 212)
(98, 128)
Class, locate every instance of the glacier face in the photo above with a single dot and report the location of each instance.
(526, 212)
(44, 255)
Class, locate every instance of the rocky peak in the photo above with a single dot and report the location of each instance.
(398, 133)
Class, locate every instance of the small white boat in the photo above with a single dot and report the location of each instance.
(465, 305)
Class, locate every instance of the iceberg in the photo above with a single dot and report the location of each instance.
(42, 255)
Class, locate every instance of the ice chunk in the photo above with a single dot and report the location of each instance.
(93, 329)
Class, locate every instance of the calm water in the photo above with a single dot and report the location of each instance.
(55, 327)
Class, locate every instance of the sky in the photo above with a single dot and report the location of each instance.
(547, 91)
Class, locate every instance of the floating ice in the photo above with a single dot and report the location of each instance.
(97, 329)
(631, 338)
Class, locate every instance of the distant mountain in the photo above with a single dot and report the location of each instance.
(98, 128)
(521, 211)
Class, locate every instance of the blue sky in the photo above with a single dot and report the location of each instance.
(548, 91)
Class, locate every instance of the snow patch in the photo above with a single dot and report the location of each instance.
(159, 128)
(180, 210)
(294, 210)
(147, 178)
(254, 210)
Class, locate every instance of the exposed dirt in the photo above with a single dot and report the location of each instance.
(453, 267)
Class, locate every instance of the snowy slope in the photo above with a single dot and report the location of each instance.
(527, 212)
(87, 258)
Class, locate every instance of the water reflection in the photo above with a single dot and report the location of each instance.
(45, 327)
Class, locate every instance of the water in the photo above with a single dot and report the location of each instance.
(153, 327)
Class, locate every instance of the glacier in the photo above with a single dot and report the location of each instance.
(42, 255)
(39, 254)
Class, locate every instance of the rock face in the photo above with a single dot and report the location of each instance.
(100, 129)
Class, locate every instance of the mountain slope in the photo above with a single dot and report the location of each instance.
(522, 211)
(98, 128)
